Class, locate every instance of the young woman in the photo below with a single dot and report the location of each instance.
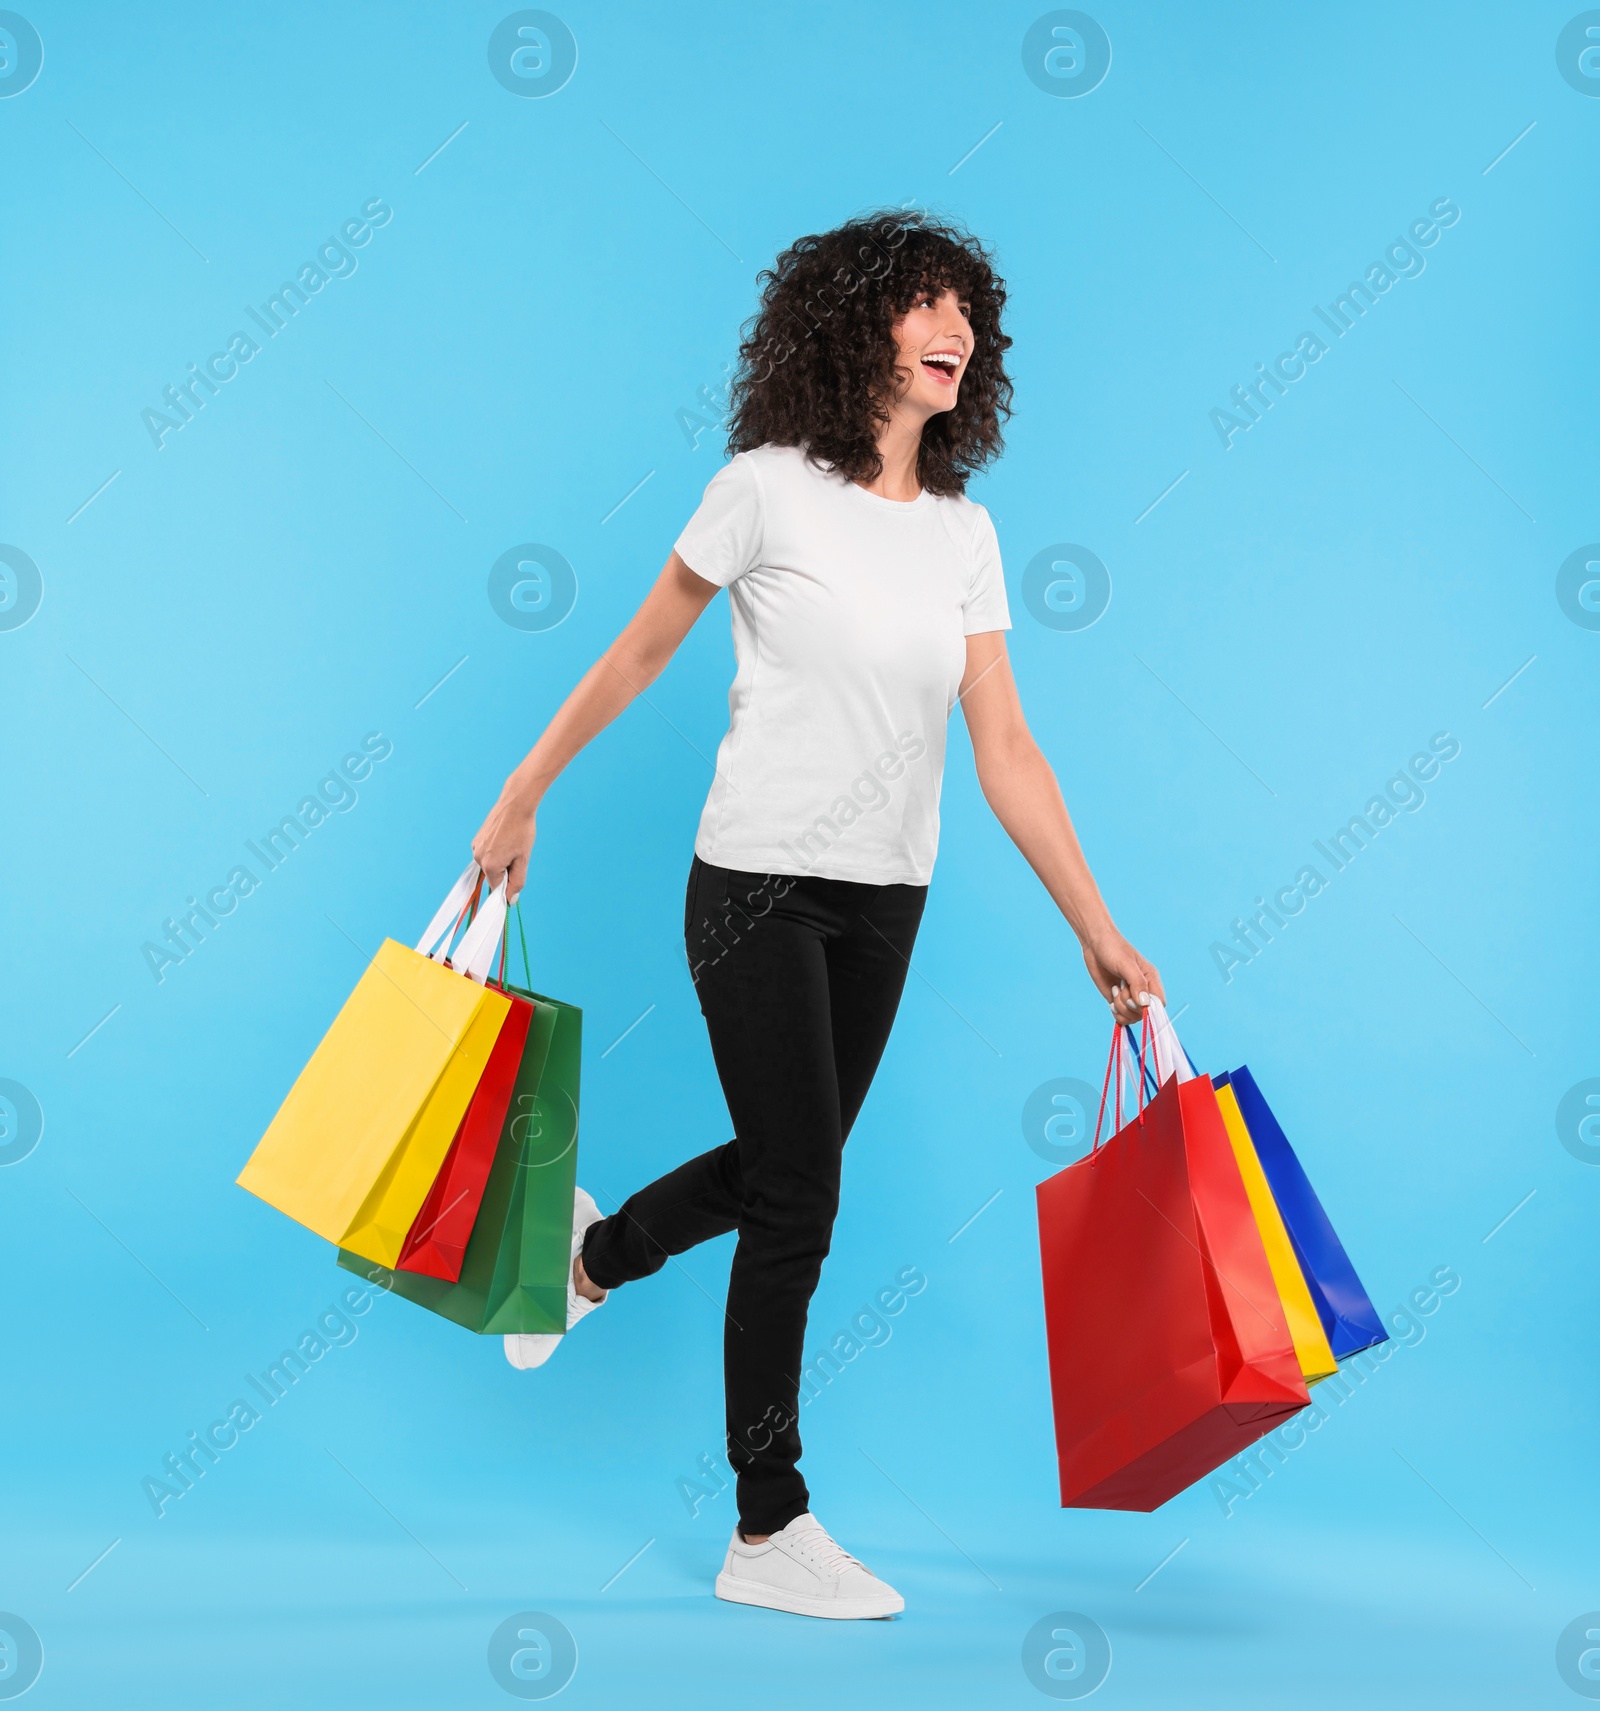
(867, 600)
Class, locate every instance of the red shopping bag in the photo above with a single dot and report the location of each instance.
(1169, 1350)
(436, 1243)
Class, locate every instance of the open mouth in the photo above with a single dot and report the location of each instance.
(942, 365)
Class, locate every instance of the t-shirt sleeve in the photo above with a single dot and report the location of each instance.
(723, 538)
(985, 607)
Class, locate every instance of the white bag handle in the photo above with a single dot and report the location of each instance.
(475, 954)
(1170, 1056)
(438, 933)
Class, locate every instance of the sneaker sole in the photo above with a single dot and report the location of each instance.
(534, 1365)
(796, 1604)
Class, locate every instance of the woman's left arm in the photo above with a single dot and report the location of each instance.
(1019, 786)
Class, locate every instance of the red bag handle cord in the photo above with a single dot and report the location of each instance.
(1114, 1064)
(1105, 1088)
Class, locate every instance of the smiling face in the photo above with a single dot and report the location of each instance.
(933, 342)
(898, 287)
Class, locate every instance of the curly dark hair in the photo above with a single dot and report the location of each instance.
(817, 360)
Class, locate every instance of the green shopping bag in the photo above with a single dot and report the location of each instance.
(514, 1275)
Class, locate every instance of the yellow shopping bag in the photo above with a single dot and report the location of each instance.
(356, 1145)
(1305, 1328)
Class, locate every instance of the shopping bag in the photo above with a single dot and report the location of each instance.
(514, 1274)
(437, 1242)
(1169, 1348)
(1348, 1317)
(356, 1145)
(1300, 1313)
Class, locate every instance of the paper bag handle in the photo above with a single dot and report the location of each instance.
(441, 929)
(474, 956)
(1171, 1058)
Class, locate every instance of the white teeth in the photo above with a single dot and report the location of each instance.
(947, 357)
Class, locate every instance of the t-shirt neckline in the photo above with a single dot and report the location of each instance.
(906, 505)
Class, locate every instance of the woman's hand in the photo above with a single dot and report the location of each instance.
(505, 840)
(1121, 974)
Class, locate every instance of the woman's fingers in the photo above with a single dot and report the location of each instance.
(483, 853)
(502, 848)
(1129, 986)
(1122, 975)
(499, 861)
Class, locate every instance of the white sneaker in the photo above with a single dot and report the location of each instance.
(802, 1570)
(529, 1349)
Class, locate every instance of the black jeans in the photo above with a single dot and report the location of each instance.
(798, 980)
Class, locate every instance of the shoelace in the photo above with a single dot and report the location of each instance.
(817, 1543)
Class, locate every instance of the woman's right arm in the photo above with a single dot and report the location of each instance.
(633, 661)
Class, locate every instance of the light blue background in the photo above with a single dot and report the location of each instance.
(237, 609)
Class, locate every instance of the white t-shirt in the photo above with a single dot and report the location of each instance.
(850, 614)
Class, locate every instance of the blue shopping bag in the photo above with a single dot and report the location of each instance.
(1343, 1305)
